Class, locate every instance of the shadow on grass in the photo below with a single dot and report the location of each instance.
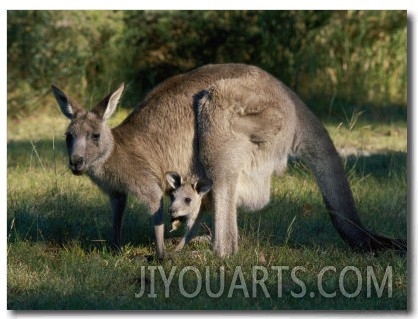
(88, 224)
(61, 216)
(303, 221)
(379, 165)
(336, 111)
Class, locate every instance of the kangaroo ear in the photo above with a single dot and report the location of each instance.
(203, 186)
(108, 105)
(174, 179)
(68, 107)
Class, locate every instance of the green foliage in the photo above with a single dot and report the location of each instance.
(62, 47)
(361, 58)
(335, 58)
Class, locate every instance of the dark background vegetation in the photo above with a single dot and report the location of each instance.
(332, 59)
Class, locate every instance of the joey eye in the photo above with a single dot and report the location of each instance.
(95, 136)
(187, 200)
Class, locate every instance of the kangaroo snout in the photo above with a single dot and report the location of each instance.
(77, 164)
(174, 213)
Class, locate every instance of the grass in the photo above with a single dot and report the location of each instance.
(59, 224)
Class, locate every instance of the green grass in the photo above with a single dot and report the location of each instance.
(59, 224)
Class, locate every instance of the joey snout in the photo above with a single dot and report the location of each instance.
(176, 213)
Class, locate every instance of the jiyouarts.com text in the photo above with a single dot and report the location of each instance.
(260, 281)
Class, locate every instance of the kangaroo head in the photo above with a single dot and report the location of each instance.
(89, 140)
(186, 198)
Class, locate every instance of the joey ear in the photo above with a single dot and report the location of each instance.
(174, 179)
(203, 186)
(108, 105)
(68, 107)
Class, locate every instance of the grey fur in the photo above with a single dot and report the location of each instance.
(235, 124)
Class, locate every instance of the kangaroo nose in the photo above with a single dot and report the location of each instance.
(77, 164)
(171, 211)
(77, 161)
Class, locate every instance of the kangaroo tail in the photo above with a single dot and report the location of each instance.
(313, 144)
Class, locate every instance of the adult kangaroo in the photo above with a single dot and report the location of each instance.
(235, 124)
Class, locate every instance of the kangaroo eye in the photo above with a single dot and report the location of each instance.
(95, 136)
(187, 200)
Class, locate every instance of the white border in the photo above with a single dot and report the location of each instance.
(213, 4)
(409, 5)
